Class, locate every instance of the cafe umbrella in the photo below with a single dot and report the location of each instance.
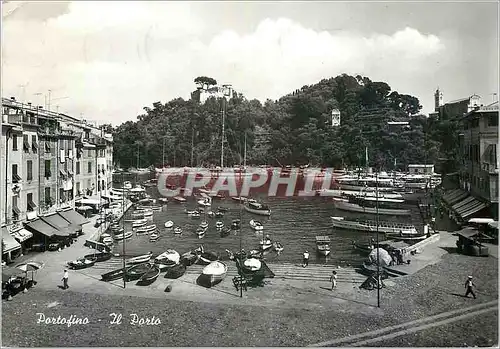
(30, 266)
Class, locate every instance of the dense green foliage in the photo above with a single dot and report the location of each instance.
(296, 129)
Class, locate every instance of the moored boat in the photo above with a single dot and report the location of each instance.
(169, 224)
(82, 263)
(207, 257)
(123, 236)
(201, 231)
(235, 224)
(175, 271)
(266, 243)
(256, 225)
(371, 226)
(252, 264)
(113, 275)
(278, 247)
(257, 208)
(154, 237)
(204, 225)
(213, 274)
(219, 225)
(167, 259)
(406, 237)
(140, 259)
(354, 207)
(163, 200)
(135, 272)
(139, 223)
(179, 199)
(146, 230)
(149, 276)
(225, 232)
(195, 214)
(108, 241)
(177, 230)
(365, 248)
(323, 245)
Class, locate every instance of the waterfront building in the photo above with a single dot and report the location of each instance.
(40, 170)
(335, 117)
(477, 195)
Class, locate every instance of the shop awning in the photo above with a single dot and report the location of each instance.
(455, 196)
(478, 207)
(22, 235)
(461, 204)
(10, 244)
(73, 217)
(58, 222)
(39, 226)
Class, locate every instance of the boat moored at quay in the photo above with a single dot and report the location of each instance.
(371, 226)
(368, 206)
(257, 208)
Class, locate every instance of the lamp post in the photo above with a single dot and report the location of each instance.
(378, 247)
(123, 227)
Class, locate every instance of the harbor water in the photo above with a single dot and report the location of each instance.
(295, 222)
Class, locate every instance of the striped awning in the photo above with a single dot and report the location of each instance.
(73, 217)
(468, 206)
(10, 244)
(454, 196)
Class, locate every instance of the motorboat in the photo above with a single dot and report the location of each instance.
(146, 230)
(373, 226)
(201, 232)
(225, 232)
(140, 259)
(266, 243)
(154, 237)
(323, 245)
(365, 205)
(222, 209)
(219, 214)
(213, 273)
(167, 259)
(82, 263)
(139, 223)
(175, 271)
(406, 237)
(235, 224)
(256, 225)
(163, 200)
(125, 235)
(190, 213)
(219, 225)
(169, 224)
(278, 247)
(179, 199)
(149, 276)
(195, 215)
(257, 208)
(204, 225)
(205, 202)
(177, 230)
(135, 272)
(108, 241)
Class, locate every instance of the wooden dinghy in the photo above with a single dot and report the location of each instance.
(149, 276)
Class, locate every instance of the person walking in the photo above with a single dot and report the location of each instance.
(333, 279)
(65, 279)
(305, 262)
(468, 287)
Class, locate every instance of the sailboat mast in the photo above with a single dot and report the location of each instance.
(222, 138)
(245, 152)
(192, 146)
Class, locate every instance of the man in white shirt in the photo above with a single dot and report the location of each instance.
(468, 287)
(305, 263)
(65, 279)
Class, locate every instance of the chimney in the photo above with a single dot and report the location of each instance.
(29, 104)
(13, 99)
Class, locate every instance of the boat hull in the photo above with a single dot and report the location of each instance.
(258, 212)
(347, 206)
(371, 227)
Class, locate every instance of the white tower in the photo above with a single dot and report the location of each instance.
(335, 117)
(438, 99)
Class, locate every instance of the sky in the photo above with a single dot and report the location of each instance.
(106, 61)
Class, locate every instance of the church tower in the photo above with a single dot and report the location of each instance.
(438, 99)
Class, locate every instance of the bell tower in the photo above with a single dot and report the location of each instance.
(438, 99)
